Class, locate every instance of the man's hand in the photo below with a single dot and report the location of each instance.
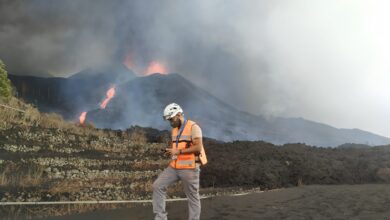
(172, 151)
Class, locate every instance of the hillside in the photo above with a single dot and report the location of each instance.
(43, 158)
(140, 100)
(70, 96)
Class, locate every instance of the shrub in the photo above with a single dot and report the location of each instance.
(5, 84)
(14, 174)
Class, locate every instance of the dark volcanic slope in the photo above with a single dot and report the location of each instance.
(140, 101)
(43, 92)
(71, 96)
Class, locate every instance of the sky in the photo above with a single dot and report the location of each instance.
(325, 61)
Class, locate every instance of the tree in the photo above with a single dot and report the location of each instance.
(5, 84)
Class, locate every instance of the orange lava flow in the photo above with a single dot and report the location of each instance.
(109, 95)
(82, 117)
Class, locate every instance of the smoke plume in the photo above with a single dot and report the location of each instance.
(321, 60)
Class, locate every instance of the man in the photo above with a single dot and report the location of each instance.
(187, 154)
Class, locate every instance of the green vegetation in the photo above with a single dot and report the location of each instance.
(5, 84)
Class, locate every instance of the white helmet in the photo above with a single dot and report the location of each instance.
(171, 111)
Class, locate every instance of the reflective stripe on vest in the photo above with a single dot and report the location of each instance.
(182, 138)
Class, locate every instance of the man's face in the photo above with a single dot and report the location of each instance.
(175, 121)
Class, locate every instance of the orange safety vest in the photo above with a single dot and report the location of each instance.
(186, 161)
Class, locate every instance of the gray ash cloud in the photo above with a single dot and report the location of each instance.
(288, 58)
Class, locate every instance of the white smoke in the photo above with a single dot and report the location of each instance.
(322, 60)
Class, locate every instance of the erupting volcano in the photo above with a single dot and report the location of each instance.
(145, 97)
(156, 67)
(109, 95)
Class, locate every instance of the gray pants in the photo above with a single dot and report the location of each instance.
(190, 181)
